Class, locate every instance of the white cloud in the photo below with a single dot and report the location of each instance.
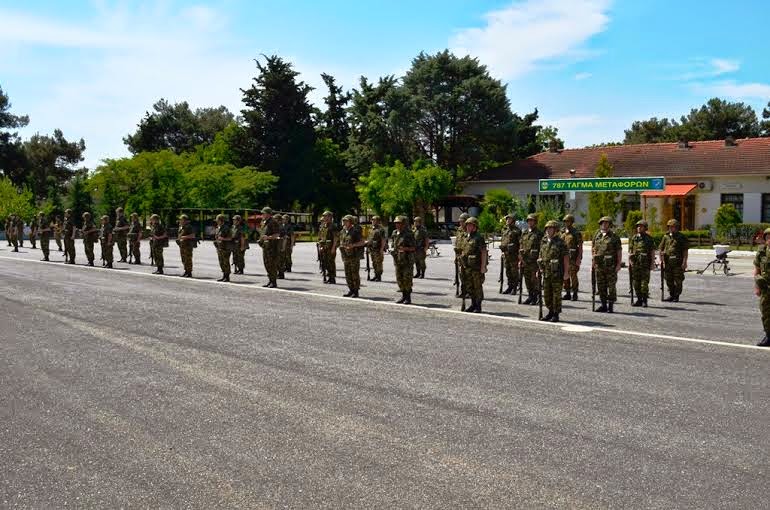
(701, 68)
(518, 38)
(735, 90)
(723, 66)
(582, 76)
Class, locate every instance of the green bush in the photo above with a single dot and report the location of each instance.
(631, 218)
(726, 218)
(488, 223)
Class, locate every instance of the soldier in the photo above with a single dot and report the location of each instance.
(185, 239)
(376, 245)
(328, 239)
(402, 249)
(641, 260)
(106, 239)
(159, 238)
(68, 232)
(90, 235)
(19, 231)
(8, 229)
(762, 286)
(473, 260)
(288, 232)
(281, 246)
(12, 232)
(224, 244)
(33, 233)
(510, 241)
(673, 259)
(240, 244)
(57, 228)
(44, 231)
(351, 246)
(135, 238)
(553, 264)
(573, 239)
(529, 251)
(120, 233)
(460, 235)
(422, 240)
(607, 256)
(270, 240)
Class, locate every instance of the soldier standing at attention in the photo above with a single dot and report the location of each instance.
(673, 259)
(159, 238)
(90, 235)
(529, 251)
(328, 238)
(33, 233)
(402, 249)
(376, 244)
(553, 264)
(240, 244)
(105, 236)
(19, 231)
(11, 232)
(57, 231)
(351, 245)
(270, 239)
(224, 243)
(120, 232)
(185, 238)
(288, 231)
(641, 259)
(574, 242)
(607, 256)
(134, 238)
(8, 230)
(44, 231)
(68, 231)
(459, 239)
(473, 260)
(422, 240)
(281, 246)
(510, 241)
(762, 286)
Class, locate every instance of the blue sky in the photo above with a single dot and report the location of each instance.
(591, 67)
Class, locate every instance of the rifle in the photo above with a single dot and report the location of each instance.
(320, 261)
(593, 287)
(662, 282)
(502, 268)
(368, 269)
(521, 282)
(152, 252)
(457, 282)
(631, 282)
(540, 294)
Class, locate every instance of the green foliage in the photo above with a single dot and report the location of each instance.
(521, 208)
(50, 161)
(765, 124)
(604, 203)
(498, 202)
(15, 201)
(78, 196)
(652, 219)
(11, 151)
(488, 222)
(548, 210)
(548, 136)
(333, 123)
(631, 218)
(335, 189)
(726, 218)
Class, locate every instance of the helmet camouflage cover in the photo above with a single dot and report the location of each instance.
(532, 217)
(568, 217)
(641, 223)
(605, 218)
(552, 223)
(472, 221)
(672, 223)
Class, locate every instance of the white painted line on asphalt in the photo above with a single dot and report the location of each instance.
(565, 326)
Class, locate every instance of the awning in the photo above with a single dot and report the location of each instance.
(671, 190)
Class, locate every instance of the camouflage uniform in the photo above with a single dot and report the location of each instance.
(33, 233)
(351, 256)
(106, 240)
(551, 265)
(134, 239)
(328, 237)
(90, 236)
(159, 241)
(186, 246)
(375, 244)
(271, 248)
(460, 236)
(239, 245)
(224, 244)
(421, 240)
(288, 231)
(574, 242)
(10, 231)
(605, 258)
(20, 231)
(673, 251)
(762, 283)
(281, 264)
(57, 232)
(474, 251)
(641, 257)
(44, 231)
(68, 231)
(120, 233)
(510, 241)
(402, 250)
(529, 252)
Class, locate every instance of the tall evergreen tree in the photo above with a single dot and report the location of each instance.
(12, 161)
(334, 120)
(50, 161)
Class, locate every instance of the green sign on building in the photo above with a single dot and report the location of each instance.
(602, 184)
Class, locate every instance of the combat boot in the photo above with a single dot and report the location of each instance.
(644, 301)
(547, 317)
(529, 300)
(508, 290)
(765, 342)
(603, 308)
(354, 294)
(281, 276)
(408, 300)
(639, 301)
(472, 308)
(567, 295)
(331, 281)
(574, 294)
(403, 298)
(555, 318)
(348, 293)
(109, 265)
(16, 250)
(609, 307)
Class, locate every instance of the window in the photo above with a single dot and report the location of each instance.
(734, 198)
(631, 203)
(765, 207)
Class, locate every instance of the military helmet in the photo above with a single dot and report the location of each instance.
(417, 218)
(134, 215)
(119, 210)
(327, 213)
(464, 216)
(568, 217)
(86, 214)
(400, 219)
(41, 213)
(267, 210)
(532, 217)
(552, 223)
(184, 217)
(347, 217)
(766, 232)
(509, 217)
(605, 218)
(68, 211)
(375, 218)
(641, 223)
(237, 217)
(472, 221)
(221, 217)
(278, 216)
(672, 223)
(154, 217)
(105, 217)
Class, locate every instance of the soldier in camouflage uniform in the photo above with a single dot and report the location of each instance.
(281, 246)
(473, 261)
(328, 238)
(762, 286)
(240, 244)
(607, 257)
(641, 260)
(553, 264)
(422, 241)
(529, 251)
(120, 233)
(460, 235)
(135, 238)
(376, 245)
(402, 250)
(33, 233)
(20, 231)
(288, 232)
(673, 259)
(106, 240)
(57, 228)
(44, 231)
(185, 239)
(510, 240)
(90, 235)
(68, 232)
(351, 246)
(224, 243)
(10, 231)
(574, 241)
(159, 238)
(270, 239)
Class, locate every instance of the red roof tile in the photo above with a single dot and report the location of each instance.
(749, 156)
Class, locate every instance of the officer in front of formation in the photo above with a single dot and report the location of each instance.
(529, 251)
(376, 245)
(641, 260)
(351, 246)
(159, 237)
(402, 250)
(510, 241)
(762, 286)
(573, 239)
(607, 253)
(553, 265)
(422, 241)
(185, 239)
(473, 261)
(673, 259)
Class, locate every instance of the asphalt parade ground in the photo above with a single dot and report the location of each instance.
(119, 388)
